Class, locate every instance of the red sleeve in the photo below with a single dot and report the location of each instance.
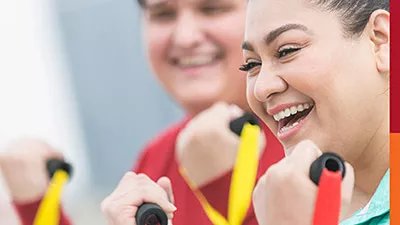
(140, 165)
(155, 160)
(27, 213)
(157, 155)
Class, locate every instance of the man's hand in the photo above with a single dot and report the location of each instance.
(207, 148)
(120, 207)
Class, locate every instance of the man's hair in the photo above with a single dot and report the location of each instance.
(141, 3)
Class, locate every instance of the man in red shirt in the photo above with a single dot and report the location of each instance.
(194, 50)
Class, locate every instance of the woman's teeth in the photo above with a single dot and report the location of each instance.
(195, 61)
(290, 111)
(286, 128)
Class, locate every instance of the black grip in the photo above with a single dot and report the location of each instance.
(237, 124)
(329, 160)
(53, 165)
(151, 214)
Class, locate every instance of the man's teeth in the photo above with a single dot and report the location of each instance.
(195, 61)
(291, 111)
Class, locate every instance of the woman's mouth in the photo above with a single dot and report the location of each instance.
(291, 119)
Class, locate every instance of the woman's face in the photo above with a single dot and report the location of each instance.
(307, 81)
(194, 49)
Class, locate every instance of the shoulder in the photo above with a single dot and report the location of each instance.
(166, 138)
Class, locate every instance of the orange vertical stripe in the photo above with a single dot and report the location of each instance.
(394, 181)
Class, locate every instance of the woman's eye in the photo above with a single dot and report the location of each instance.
(287, 51)
(248, 66)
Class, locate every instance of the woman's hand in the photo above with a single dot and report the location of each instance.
(285, 194)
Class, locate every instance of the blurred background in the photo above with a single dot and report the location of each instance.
(74, 73)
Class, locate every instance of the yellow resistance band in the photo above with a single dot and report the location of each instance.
(49, 209)
(242, 182)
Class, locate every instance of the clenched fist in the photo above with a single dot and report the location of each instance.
(206, 148)
(24, 169)
(285, 195)
(133, 190)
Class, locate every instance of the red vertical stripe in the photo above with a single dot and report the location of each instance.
(395, 66)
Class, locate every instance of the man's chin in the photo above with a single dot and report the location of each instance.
(197, 103)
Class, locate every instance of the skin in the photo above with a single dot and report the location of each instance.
(176, 30)
(345, 79)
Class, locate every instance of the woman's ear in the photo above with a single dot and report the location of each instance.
(379, 35)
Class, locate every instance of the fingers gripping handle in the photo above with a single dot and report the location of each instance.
(330, 161)
(151, 214)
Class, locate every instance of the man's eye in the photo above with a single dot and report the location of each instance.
(163, 15)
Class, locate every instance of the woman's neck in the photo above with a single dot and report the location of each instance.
(370, 168)
(373, 163)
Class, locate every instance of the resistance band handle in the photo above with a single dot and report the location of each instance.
(151, 214)
(327, 172)
(53, 165)
(329, 160)
(236, 125)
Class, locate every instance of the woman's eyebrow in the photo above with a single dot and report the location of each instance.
(274, 34)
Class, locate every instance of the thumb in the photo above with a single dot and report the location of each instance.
(165, 184)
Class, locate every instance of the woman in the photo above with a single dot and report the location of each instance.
(194, 52)
(333, 57)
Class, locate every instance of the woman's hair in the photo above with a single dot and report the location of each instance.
(354, 14)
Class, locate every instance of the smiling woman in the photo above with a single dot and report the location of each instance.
(320, 72)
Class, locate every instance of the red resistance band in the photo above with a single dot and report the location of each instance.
(327, 207)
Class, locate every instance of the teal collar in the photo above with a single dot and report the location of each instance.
(379, 205)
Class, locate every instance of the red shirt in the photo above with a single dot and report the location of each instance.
(158, 159)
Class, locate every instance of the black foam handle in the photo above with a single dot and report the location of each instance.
(329, 160)
(151, 214)
(53, 165)
(237, 124)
